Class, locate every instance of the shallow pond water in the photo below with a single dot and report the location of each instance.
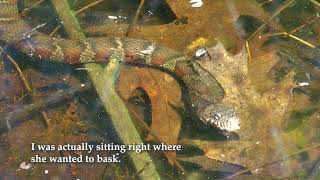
(160, 89)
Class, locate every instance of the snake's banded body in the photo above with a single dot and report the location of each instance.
(201, 85)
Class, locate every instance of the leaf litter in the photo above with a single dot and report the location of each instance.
(262, 104)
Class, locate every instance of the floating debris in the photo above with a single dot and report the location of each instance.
(198, 42)
(149, 50)
(25, 166)
(80, 69)
(196, 3)
(303, 84)
(201, 52)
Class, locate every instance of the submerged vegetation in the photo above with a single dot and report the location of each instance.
(263, 53)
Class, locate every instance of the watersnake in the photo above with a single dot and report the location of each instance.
(201, 85)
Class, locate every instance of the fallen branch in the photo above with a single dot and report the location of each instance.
(103, 80)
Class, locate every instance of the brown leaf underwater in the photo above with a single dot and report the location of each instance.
(261, 112)
(164, 93)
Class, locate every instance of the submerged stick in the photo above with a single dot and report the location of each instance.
(270, 19)
(248, 51)
(136, 16)
(77, 12)
(9, 119)
(26, 10)
(103, 80)
(285, 34)
(25, 84)
(88, 6)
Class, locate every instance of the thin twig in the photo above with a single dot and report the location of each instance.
(308, 22)
(248, 51)
(276, 34)
(55, 30)
(266, 2)
(297, 29)
(135, 19)
(32, 6)
(88, 6)
(270, 19)
(285, 34)
(156, 137)
(21, 76)
(274, 162)
(77, 12)
(26, 85)
(140, 171)
(302, 41)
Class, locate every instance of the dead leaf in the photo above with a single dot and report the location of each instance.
(261, 112)
(164, 93)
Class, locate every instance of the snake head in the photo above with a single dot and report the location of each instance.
(221, 116)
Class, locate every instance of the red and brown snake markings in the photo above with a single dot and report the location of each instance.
(15, 31)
